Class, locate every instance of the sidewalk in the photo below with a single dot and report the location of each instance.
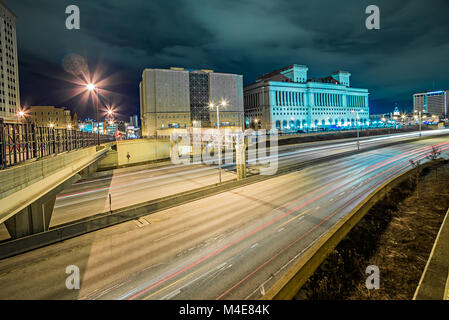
(434, 283)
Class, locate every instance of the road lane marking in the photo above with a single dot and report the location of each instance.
(378, 165)
(171, 295)
(327, 218)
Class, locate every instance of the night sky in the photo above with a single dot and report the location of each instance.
(120, 38)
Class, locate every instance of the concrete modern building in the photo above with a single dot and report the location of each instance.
(9, 71)
(434, 103)
(287, 100)
(47, 116)
(176, 98)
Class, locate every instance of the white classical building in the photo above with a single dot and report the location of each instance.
(9, 72)
(287, 100)
(176, 98)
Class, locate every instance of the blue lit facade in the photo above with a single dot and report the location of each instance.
(288, 101)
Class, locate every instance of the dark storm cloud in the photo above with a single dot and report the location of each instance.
(249, 37)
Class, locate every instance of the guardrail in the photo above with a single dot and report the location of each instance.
(20, 142)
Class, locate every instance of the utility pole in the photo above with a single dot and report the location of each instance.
(219, 146)
(420, 123)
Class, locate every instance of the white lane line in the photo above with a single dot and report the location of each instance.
(317, 208)
(171, 295)
(342, 193)
(254, 245)
(281, 229)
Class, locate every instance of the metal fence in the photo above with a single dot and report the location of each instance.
(23, 141)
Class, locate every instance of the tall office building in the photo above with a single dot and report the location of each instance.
(9, 72)
(178, 98)
(287, 100)
(434, 103)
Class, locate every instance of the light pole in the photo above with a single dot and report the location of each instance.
(211, 106)
(92, 88)
(420, 123)
(358, 134)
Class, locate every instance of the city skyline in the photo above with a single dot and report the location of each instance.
(393, 62)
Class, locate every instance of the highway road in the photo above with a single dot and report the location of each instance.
(130, 186)
(233, 245)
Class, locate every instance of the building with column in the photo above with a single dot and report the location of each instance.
(9, 71)
(434, 103)
(50, 116)
(177, 97)
(288, 100)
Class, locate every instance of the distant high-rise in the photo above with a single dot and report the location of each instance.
(9, 71)
(134, 121)
(435, 103)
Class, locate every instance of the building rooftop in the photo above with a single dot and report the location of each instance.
(10, 11)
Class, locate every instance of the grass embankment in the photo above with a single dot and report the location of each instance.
(397, 235)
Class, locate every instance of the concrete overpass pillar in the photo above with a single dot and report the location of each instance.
(33, 219)
(241, 160)
(89, 170)
(36, 217)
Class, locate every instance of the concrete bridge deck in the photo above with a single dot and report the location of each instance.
(28, 191)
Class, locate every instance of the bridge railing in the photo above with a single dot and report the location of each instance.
(24, 141)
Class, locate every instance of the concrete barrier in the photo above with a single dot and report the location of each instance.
(289, 284)
(434, 282)
(139, 150)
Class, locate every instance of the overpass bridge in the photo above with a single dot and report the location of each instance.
(37, 163)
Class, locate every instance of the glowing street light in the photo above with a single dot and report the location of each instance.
(223, 104)
(90, 87)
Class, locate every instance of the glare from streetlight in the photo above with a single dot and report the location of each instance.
(90, 87)
(224, 103)
(21, 113)
(110, 112)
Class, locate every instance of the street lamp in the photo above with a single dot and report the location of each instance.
(217, 106)
(92, 88)
(358, 134)
(420, 123)
(21, 115)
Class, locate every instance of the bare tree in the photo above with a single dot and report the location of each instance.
(434, 154)
(416, 165)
